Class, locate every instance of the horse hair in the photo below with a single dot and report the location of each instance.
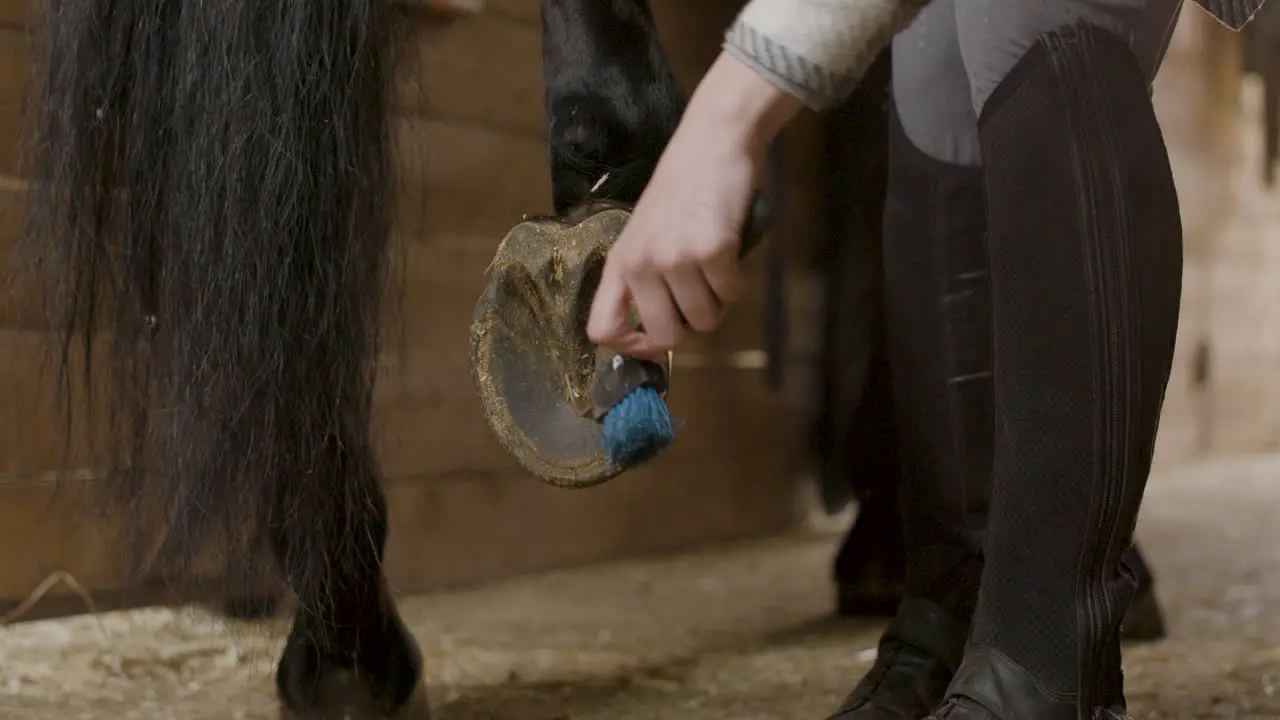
(212, 187)
(612, 100)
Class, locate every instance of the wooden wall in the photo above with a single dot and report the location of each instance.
(470, 127)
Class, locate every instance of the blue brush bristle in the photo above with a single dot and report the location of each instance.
(637, 428)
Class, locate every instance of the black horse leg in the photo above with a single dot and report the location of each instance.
(348, 653)
(612, 101)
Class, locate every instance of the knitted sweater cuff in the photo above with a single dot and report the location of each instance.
(816, 50)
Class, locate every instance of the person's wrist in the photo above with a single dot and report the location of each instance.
(741, 106)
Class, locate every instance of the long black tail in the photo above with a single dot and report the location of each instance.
(212, 187)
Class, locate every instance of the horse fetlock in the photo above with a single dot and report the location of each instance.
(597, 154)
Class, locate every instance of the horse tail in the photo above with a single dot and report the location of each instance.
(210, 213)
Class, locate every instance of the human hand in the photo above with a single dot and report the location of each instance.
(677, 259)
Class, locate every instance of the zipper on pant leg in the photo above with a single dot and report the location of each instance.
(1104, 243)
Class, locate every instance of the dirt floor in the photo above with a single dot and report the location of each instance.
(742, 632)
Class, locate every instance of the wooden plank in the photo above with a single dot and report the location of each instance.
(13, 13)
(14, 69)
(484, 69)
(468, 181)
(449, 529)
(60, 530)
(525, 11)
(31, 439)
(57, 605)
(425, 382)
(512, 524)
(20, 307)
(692, 33)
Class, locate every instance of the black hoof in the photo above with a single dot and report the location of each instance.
(870, 565)
(1143, 622)
(375, 680)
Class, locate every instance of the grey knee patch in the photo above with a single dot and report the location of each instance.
(931, 88)
(994, 34)
(1083, 57)
(947, 134)
(1235, 14)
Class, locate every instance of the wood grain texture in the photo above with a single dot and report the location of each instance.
(472, 165)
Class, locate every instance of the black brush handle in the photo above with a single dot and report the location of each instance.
(757, 222)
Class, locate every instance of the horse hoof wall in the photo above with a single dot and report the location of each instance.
(383, 680)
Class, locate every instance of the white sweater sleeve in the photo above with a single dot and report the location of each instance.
(817, 50)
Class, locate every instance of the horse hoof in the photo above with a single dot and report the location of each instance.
(378, 680)
(1143, 622)
(869, 569)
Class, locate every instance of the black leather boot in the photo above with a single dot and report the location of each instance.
(1143, 621)
(937, 326)
(1085, 250)
(937, 321)
(870, 565)
(918, 655)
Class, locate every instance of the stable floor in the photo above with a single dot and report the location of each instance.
(739, 633)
